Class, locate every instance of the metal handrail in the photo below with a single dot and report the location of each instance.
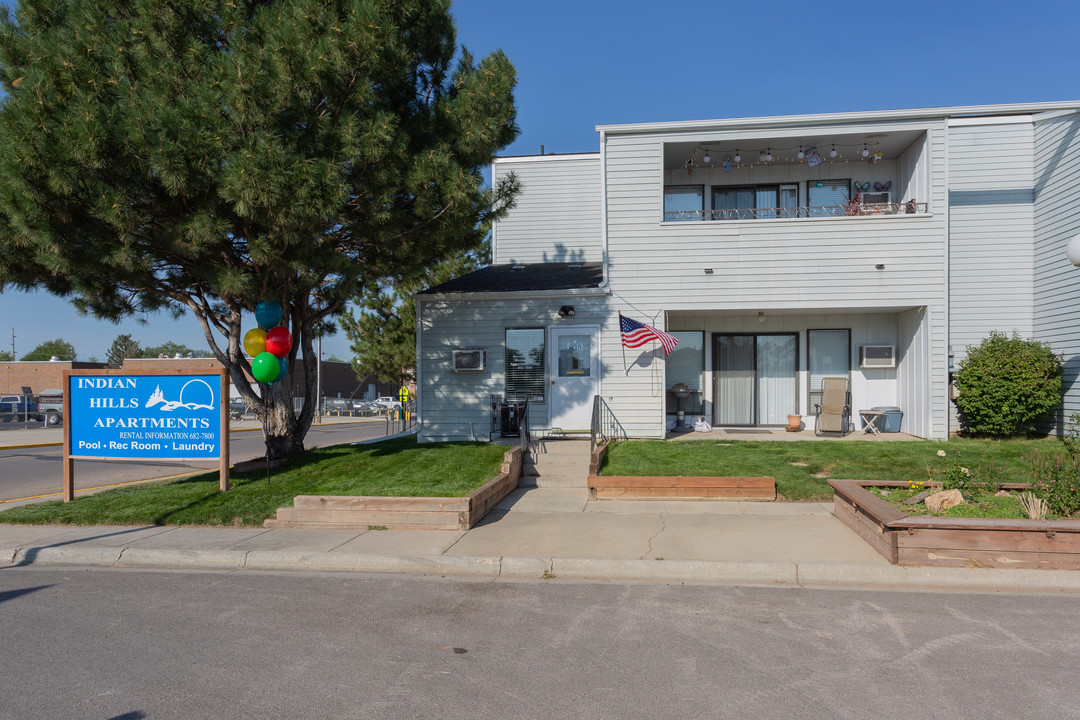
(795, 213)
(595, 431)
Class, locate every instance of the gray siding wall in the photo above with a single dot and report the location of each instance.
(801, 265)
(556, 217)
(991, 232)
(1057, 220)
(455, 404)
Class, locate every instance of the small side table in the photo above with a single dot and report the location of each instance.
(869, 418)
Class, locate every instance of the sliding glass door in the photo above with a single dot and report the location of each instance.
(755, 378)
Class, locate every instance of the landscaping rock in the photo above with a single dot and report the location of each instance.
(944, 500)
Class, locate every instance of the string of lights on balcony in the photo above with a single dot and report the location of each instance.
(707, 157)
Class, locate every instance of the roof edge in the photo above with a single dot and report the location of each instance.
(546, 158)
(822, 118)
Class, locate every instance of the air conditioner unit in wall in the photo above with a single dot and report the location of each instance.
(877, 356)
(876, 198)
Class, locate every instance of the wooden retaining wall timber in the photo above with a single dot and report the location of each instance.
(401, 513)
(625, 487)
(955, 542)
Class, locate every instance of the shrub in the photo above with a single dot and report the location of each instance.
(1056, 479)
(1006, 385)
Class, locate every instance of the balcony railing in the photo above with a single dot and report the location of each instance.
(847, 210)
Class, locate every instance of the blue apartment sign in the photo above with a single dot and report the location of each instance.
(144, 416)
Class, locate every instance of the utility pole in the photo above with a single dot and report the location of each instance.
(12, 343)
(318, 383)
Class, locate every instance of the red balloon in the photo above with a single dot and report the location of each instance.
(278, 341)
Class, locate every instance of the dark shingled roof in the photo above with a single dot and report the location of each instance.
(524, 277)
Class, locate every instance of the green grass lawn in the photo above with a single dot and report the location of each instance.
(800, 468)
(396, 468)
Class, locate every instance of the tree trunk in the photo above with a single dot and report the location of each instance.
(280, 426)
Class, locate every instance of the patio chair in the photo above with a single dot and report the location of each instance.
(834, 412)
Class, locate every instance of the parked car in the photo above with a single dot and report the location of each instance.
(19, 407)
(387, 402)
(336, 405)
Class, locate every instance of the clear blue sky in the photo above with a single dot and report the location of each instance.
(586, 63)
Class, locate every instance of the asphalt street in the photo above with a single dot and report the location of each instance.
(130, 644)
(33, 472)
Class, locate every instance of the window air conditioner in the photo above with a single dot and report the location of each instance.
(469, 359)
(877, 356)
(876, 198)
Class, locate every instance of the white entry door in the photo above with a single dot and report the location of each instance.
(575, 376)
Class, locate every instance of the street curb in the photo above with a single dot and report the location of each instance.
(67, 556)
(703, 571)
(939, 578)
(31, 445)
(183, 559)
(813, 575)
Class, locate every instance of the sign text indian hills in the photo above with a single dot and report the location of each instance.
(118, 416)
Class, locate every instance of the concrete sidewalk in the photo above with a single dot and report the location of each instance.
(552, 534)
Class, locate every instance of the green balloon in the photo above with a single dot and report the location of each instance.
(265, 367)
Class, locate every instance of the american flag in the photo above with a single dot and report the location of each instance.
(635, 334)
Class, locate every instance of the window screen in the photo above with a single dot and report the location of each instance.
(826, 197)
(525, 364)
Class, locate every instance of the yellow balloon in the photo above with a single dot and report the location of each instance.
(255, 342)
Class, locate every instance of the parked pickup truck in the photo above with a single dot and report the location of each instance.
(51, 408)
(19, 407)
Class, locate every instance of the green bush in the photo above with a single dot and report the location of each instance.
(1006, 385)
(1055, 478)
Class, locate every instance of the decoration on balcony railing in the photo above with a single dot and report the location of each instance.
(848, 209)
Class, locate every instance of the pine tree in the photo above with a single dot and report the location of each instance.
(202, 157)
(122, 347)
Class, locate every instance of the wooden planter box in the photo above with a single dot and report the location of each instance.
(401, 513)
(955, 542)
(627, 487)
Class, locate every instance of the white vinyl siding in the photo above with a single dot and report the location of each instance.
(991, 232)
(1057, 220)
(556, 216)
(456, 405)
(781, 266)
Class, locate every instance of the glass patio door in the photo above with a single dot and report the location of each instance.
(755, 379)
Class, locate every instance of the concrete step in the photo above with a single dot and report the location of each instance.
(566, 464)
(573, 448)
(553, 480)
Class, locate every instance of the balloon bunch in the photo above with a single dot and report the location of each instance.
(268, 344)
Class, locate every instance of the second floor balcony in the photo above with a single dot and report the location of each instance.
(787, 178)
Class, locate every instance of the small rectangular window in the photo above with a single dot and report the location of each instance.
(683, 203)
(525, 353)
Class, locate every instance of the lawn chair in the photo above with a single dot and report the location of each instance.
(834, 412)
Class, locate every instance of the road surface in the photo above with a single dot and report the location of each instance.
(138, 644)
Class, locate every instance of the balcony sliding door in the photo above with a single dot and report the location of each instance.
(755, 379)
